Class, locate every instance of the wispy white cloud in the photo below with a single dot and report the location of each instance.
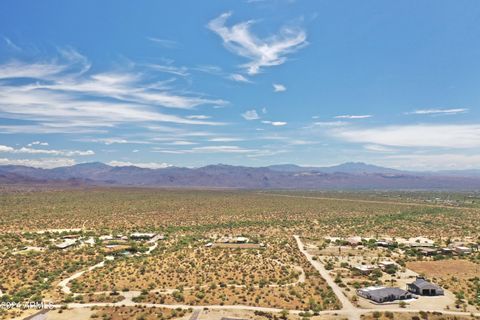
(210, 69)
(178, 71)
(167, 132)
(74, 64)
(11, 44)
(421, 135)
(348, 116)
(129, 88)
(199, 117)
(275, 123)
(225, 139)
(181, 143)
(50, 128)
(250, 115)
(271, 51)
(37, 143)
(61, 97)
(47, 163)
(220, 149)
(452, 111)
(207, 149)
(217, 71)
(330, 123)
(169, 44)
(266, 153)
(17, 69)
(28, 150)
(378, 148)
(429, 162)
(279, 87)
(114, 140)
(147, 165)
(239, 78)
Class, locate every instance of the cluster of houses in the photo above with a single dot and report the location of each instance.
(419, 287)
(110, 242)
(430, 249)
(359, 241)
(420, 245)
(68, 241)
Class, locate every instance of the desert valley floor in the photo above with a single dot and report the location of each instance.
(120, 253)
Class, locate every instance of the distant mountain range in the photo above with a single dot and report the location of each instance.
(285, 176)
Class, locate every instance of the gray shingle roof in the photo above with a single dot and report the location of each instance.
(386, 292)
(424, 284)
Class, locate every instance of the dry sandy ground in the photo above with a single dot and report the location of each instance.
(73, 314)
(446, 268)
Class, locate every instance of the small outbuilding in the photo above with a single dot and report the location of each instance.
(66, 244)
(383, 294)
(383, 243)
(424, 288)
(365, 268)
(384, 265)
(463, 250)
(142, 235)
(354, 241)
(427, 251)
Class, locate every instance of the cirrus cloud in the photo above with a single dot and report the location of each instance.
(63, 95)
(267, 52)
(349, 116)
(452, 111)
(421, 135)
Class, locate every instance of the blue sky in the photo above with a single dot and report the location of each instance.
(259, 82)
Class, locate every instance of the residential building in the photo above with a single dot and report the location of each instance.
(140, 235)
(365, 268)
(462, 250)
(383, 294)
(65, 244)
(425, 288)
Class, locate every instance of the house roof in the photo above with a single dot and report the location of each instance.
(424, 284)
(367, 267)
(380, 292)
(66, 243)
